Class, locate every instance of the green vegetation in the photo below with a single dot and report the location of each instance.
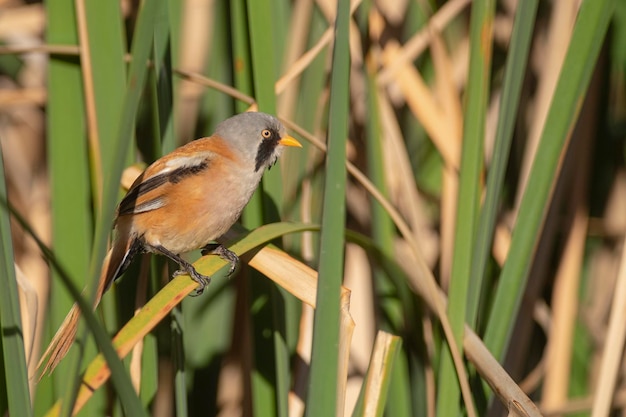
(457, 209)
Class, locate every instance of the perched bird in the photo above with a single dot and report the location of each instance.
(184, 201)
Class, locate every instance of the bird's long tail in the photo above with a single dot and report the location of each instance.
(113, 265)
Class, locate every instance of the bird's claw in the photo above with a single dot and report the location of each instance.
(224, 253)
(202, 280)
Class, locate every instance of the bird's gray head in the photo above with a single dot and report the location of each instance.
(258, 136)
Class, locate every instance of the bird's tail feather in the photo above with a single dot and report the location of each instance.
(114, 262)
(60, 343)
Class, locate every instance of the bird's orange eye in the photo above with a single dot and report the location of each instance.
(266, 134)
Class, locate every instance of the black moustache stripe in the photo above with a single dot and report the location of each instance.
(266, 151)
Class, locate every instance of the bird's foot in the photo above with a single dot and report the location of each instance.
(202, 280)
(186, 268)
(224, 253)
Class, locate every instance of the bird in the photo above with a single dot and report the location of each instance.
(184, 201)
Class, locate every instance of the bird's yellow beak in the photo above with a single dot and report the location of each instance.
(289, 141)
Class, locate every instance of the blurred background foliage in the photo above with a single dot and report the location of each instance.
(485, 157)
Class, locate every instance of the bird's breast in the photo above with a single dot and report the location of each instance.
(197, 210)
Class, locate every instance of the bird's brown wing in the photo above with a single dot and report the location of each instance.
(147, 192)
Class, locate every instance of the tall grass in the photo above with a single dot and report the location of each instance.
(460, 194)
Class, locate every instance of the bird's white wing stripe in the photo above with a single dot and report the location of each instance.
(149, 205)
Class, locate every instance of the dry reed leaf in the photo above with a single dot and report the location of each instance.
(35, 267)
(9, 99)
(559, 349)
(328, 9)
(565, 293)
(163, 405)
(493, 115)
(355, 383)
(91, 114)
(23, 147)
(140, 300)
(613, 346)
(401, 183)
(502, 29)
(21, 138)
(509, 6)
(33, 74)
(357, 204)
(216, 85)
(299, 25)
(614, 219)
(377, 371)
(306, 207)
(29, 310)
(357, 278)
(297, 67)
(229, 392)
(130, 174)
(195, 45)
(393, 10)
(447, 228)
(283, 268)
(377, 26)
(23, 20)
(346, 330)
(135, 366)
(516, 410)
(504, 387)
(460, 62)
(418, 42)
(605, 261)
(301, 367)
(533, 379)
(501, 243)
(423, 105)
(429, 371)
(446, 92)
(584, 404)
(450, 101)
(603, 269)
